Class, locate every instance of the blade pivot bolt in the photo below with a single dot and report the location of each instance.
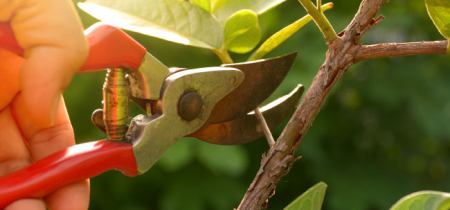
(190, 105)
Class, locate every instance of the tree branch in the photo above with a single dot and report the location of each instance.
(400, 49)
(281, 156)
(343, 52)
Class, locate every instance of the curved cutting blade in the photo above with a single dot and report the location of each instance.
(262, 77)
(247, 128)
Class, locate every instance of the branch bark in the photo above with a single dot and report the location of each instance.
(401, 49)
(343, 52)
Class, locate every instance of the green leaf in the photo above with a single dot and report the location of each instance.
(205, 4)
(439, 11)
(172, 20)
(282, 35)
(222, 9)
(430, 200)
(242, 32)
(312, 199)
(231, 160)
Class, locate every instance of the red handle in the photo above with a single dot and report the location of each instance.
(70, 165)
(109, 47)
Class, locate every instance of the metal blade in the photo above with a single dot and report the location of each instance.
(152, 136)
(262, 77)
(246, 129)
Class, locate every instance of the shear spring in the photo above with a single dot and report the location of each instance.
(115, 104)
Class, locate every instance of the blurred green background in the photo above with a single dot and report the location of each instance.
(383, 133)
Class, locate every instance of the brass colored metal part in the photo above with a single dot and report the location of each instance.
(115, 104)
(97, 119)
(262, 77)
(246, 129)
(152, 136)
(146, 82)
(190, 105)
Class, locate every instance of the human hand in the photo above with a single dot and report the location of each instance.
(31, 105)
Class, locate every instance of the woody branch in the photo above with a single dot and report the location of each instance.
(344, 51)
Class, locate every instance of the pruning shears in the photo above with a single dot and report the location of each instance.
(213, 104)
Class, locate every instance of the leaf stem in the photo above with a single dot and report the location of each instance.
(320, 19)
(223, 55)
(319, 5)
(448, 47)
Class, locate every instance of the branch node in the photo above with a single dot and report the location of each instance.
(372, 23)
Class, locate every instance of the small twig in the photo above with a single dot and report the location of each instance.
(319, 5)
(264, 127)
(400, 49)
(320, 19)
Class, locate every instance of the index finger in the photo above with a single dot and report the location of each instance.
(51, 35)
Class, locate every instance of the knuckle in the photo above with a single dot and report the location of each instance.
(13, 164)
(60, 135)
